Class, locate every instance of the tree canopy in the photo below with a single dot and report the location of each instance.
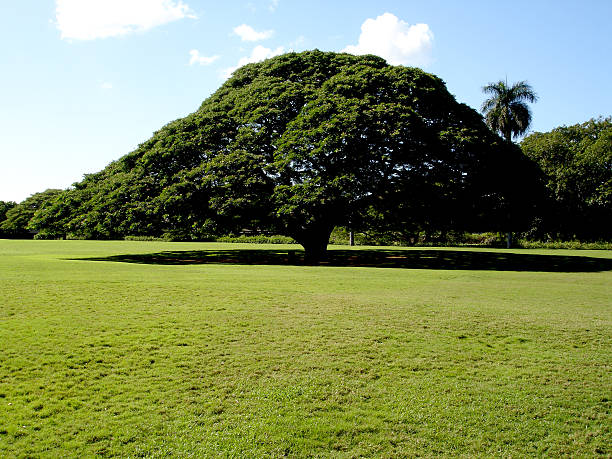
(296, 145)
(5, 206)
(577, 165)
(15, 218)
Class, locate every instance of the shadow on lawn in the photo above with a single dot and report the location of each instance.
(411, 259)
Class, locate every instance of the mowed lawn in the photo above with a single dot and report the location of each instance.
(191, 358)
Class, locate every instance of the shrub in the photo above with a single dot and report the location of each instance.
(600, 245)
(144, 238)
(259, 239)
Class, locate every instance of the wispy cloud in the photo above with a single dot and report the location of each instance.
(297, 43)
(395, 40)
(106, 85)
(202, 60)
(248, 33)
(259, 53)
(273, 5)
(91, 19)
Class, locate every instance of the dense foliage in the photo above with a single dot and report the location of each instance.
(5, 206)
(577, 166)
(297, 145)
(15, 218)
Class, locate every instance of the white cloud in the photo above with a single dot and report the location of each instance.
(394, 40)
(258, 54)
(106, 85)
(273, 5)
(202, 60)
(247, 33)
(91, 19)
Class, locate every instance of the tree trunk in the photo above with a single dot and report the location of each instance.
(315, 244)
(351, 238)
(508, 136)
(315, 252)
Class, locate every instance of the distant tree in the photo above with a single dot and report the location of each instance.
(506, 111)
(16, 223)
(297, 145)
(577, 165)
(5, 206)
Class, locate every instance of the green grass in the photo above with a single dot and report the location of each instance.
(222, 356)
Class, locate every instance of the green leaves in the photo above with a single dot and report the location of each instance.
(296, 145)
(577, 165)
(506, 111)
(18, 217)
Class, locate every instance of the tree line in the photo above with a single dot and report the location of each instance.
(305, 142)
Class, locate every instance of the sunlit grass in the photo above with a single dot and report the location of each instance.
(132, 359)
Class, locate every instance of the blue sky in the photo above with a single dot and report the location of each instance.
(83, 82)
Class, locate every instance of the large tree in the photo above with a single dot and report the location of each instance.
(577, 165)
(506, 110)
(296, 145)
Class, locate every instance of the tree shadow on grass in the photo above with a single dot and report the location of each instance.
(409, 259)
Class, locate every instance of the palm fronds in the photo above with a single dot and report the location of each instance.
(506, 111)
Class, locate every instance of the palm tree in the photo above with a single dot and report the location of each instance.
(506, 110)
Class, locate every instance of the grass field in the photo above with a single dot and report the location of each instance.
(151, 349)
